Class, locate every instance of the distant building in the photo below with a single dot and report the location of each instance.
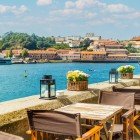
(73, 38)
(87, 55)
(103, 44)
(99, 54)
(91, 36)
(117, 46)
(74, 43)
(117, 57)
(42, 54)
(74, 55)
(88, 35)
(1, 55)
(52, 50)
(118, 51)
(135, 41)
(93, 55)
(63, 54)
(134, 56)
(16, 53)
(59, 39)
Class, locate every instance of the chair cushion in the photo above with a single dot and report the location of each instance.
(137, 107)
(118, 128)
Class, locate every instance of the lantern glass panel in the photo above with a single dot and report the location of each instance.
(44, 90)
(52, 90)
(112, 78)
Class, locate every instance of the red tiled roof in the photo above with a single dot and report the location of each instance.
(41, 52)
(118, 55)
(136, 38)
(87, 52)
(51, 49)
(63, 51)
(93, 52)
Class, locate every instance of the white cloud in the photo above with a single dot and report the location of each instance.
(44, 2)
(66, 12)
(80, 4)
(102, 21)
(69, 4)
(117, 8)
(92, 12)
(13, 9)
(85, 3)
(129, 16)
(90, 15)
(22, 9)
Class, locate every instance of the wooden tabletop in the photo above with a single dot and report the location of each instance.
(92, 111)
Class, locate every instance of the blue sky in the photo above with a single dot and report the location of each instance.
(117, 19)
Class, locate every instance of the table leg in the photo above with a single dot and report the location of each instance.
(112, 128)
(109, 135)
(106, 131)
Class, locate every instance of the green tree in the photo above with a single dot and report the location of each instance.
(1, 43)
(24, 53)
(11, 40)
(131, 49)
(61, 46)
(85, 44)
(9, 53)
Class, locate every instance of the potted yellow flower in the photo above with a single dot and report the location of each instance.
(77, 80)
(126, 71)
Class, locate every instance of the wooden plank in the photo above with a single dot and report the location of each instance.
(92, 111)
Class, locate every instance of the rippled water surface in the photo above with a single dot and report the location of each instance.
(14, 85)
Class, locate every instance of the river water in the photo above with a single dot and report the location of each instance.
(13, 83)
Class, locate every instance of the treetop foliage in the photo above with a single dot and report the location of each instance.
(13, 40)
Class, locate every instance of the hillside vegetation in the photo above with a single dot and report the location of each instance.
(12, 40)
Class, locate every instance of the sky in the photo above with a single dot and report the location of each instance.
(116, 19)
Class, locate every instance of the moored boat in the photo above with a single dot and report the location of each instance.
(5, 61)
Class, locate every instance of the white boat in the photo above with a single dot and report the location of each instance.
(4, 61)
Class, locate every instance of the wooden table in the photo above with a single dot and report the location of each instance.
(96, 112)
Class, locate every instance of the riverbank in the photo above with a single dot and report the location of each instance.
(105, 61)
(42, 61)
(74, 61)
(13, 118)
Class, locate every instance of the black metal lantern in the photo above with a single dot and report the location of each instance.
(47, 87)
(113, 76)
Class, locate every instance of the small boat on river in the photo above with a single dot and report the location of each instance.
(5, 61)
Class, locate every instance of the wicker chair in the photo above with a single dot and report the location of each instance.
(6, 136)
(54, 125)
(137, 104)
(127, 101)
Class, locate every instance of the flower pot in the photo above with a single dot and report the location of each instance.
(127, 76)
(77, 86)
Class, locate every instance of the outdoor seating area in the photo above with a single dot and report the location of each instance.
(101, 111)
(112, 118)
(136, 90)
(69, 70)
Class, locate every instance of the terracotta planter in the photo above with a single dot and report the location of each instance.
(127, 76)
(77, 86)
